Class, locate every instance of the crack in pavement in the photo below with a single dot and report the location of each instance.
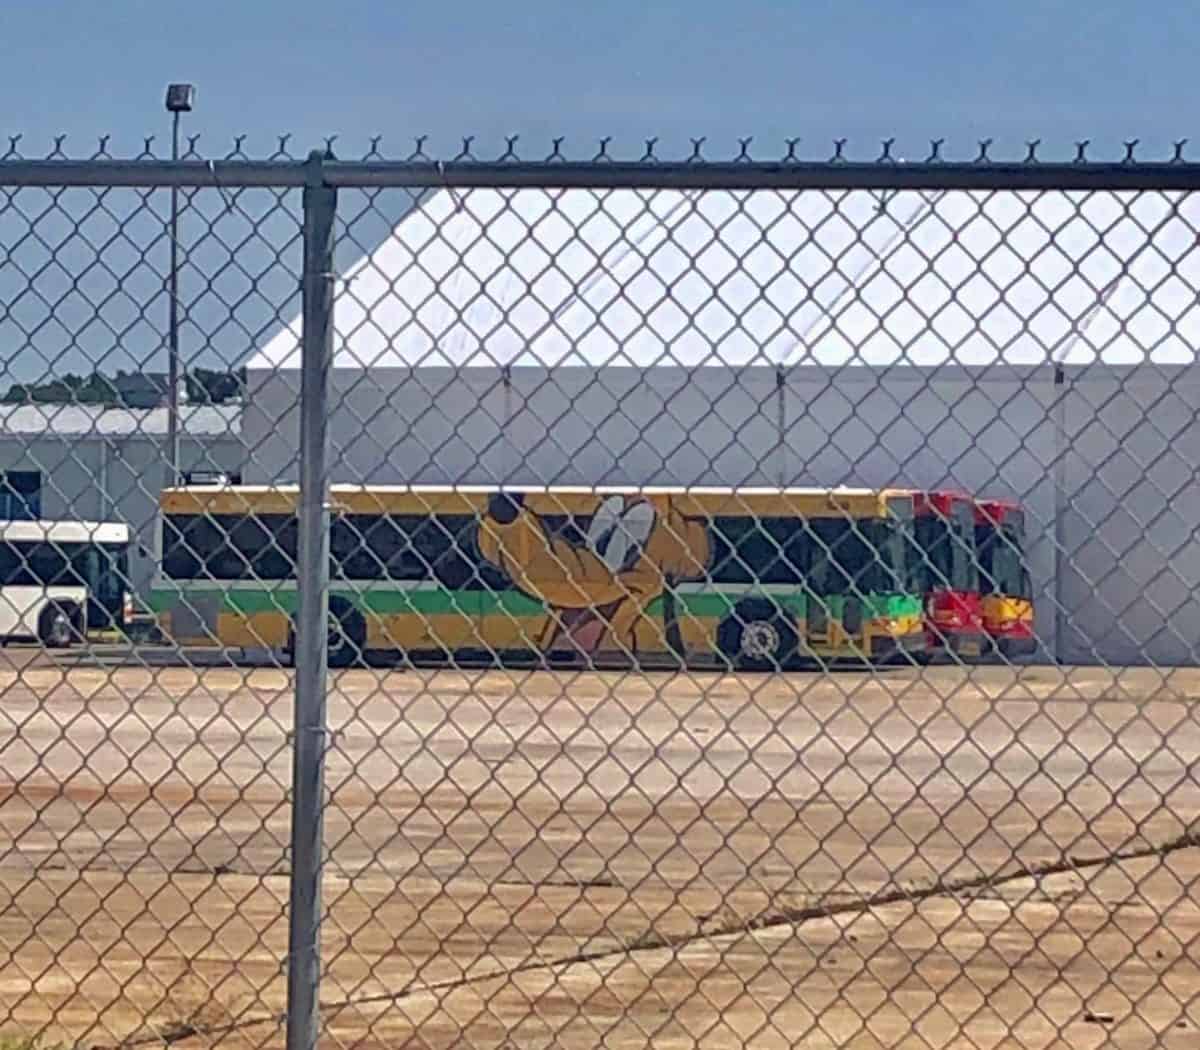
(653, 941)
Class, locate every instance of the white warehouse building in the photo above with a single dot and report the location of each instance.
(1037, 347)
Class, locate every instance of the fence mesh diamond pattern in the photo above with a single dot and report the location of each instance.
(601, 602)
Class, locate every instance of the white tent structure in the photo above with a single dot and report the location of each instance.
(717, 337)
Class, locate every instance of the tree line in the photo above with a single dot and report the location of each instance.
(204, 386)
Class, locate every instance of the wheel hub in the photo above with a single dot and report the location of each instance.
(334, 632)
(760, 640)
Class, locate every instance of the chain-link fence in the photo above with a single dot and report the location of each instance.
(598, 603)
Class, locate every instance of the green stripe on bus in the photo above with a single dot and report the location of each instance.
(249, 601)
(713, 604)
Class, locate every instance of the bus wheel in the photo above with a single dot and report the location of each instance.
(347, 634)
(58, 626)
(758, 636)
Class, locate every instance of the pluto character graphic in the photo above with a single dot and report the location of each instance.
(598, 582)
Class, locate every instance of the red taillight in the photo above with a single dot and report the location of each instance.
(954, 611)
(127, 608)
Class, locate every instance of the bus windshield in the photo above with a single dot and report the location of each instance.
(946, 551)
(1001, 561)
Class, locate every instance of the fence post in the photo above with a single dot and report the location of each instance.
(781, 423)
(1060, 499)
(311, 641)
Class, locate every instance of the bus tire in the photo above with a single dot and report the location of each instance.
(59, 625)
(347, 634)
(758, 636)
(347, 637)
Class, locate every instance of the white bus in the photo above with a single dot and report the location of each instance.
(60, 579)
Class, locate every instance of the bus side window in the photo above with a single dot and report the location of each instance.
(268, 543)
(11, 567)
(187, 541)
(223, 559)
(431, 545)
(370, 547)
(387, 547)
(748, 549)
(47, 565)
(452, 539)
(985, 541)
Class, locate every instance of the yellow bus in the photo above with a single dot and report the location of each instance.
(749, 578)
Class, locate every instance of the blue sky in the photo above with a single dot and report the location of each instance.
(1104, 70)
(1053, 70)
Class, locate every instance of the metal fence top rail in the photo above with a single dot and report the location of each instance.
(889, 174)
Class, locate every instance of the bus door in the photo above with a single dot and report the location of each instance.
(824, 609)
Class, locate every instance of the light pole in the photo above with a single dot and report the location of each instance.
(180, 98)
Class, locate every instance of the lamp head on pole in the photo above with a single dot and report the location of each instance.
(180, 98)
